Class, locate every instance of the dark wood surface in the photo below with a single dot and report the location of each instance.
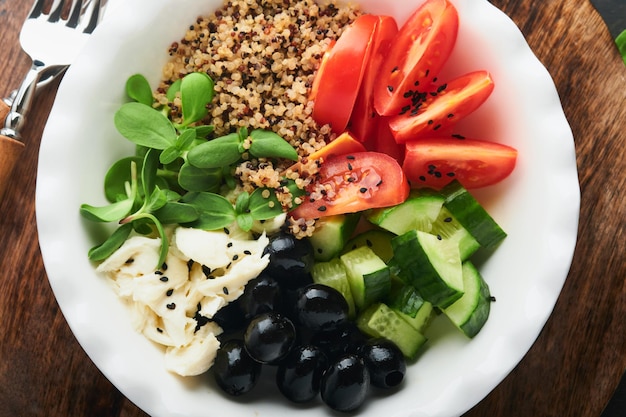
(572, 369)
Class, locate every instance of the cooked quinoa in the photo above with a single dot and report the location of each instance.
(262, 56)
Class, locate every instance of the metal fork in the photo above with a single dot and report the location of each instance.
(52, 37)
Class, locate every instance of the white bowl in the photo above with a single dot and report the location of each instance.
(537, 206)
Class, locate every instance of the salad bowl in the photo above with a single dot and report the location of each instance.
(537, 206)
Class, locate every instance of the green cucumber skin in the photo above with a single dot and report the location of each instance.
(475, 304)
(368, 275)
(416, 269)
(472, 216)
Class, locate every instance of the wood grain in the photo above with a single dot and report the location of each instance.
(571, 370)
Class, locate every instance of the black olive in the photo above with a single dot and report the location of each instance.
(230, 318)
(261, 294)
(345, 384)
(299, 375)
(269, 337)
(385, 362)
(234, 370)
(320, 307)
(346, 338)
(291, 260)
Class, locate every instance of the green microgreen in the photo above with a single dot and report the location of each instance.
(179, 170)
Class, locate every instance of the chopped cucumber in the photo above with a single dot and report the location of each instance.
(377, 240)
(381, 321)
(472, 216)
(368, 276)
(334, 274)
(448, 227)
(410, 306)
(331, 234)
(418, 212)
(430, 264)
(470, 312)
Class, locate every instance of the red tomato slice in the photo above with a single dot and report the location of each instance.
(338, 80)
(435, 162)
(384, 141)
(420, 50)
(352, 183)
(363, 121)
(442, 108)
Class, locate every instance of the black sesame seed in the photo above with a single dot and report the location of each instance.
(164, 279)
(390, 88)
(349, 166)
(321, 208)
(351, 157)
(394, 69)
(447, 219)
(247, 252)
(450, 174)
(442, 87)
(169, 292)
(437, 127)
(225, 290)
(363, 190)
(158, 329)
(235, 257)
(164, 266)
(457, 136)
(171, 306)
(158, 273)
(206, 270)
(229, 245)
(226, 231)
(439, 237)
(369, 243)
(450, 116)
(129, 261)
(430, 122)
(422, 178)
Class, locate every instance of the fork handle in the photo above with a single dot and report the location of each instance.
(10, 151)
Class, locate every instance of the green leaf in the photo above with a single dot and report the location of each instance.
(621, 44)
(196, 91)
(111, 213)
(216, 153)
(242, 202)
(203, 131)
(138, 88)
(215, 211)
(169, 155)
(267, 144)
(113, 243)
(173, 89)
(264, 204)
(245, 221)
(144, 126)
(191, 178)
(149, 172)
(117, 178)
(176, 213)
(186, 139)
(157, 200)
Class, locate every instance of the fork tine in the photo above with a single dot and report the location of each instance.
(56, 10)
(75, 14)
(95, 9)
(35, 12)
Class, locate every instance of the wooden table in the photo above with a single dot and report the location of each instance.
(572, 369)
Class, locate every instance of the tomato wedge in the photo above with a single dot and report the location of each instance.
(442, 108)
(363, 121)
(338, 80)
(383, 141)
(352, 183)
(419, 51)
(435, 162)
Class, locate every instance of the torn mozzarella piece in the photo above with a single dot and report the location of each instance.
(173, 305)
